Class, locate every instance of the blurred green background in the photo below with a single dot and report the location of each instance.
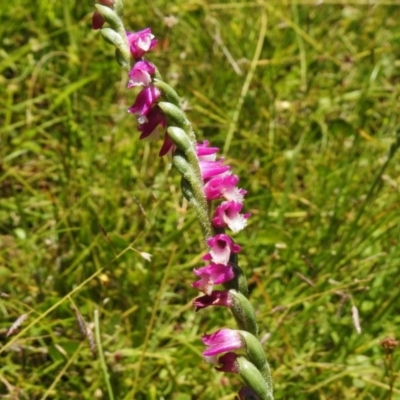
(303, 99)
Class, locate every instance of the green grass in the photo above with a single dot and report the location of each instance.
(310, 123)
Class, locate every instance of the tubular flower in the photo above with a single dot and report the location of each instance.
(219, 182)
(222, 341)
(209, 169)
(224, 186)
(144, 101)
(140, 42)
(150, 123)
(216, 298)
(211, 275)
(221, 247)
(227, 214)
(206, 153)
(228, 363)
(141, 74)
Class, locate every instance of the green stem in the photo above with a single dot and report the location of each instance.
(199, 205)
(101, 355)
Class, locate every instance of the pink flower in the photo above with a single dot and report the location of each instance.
(216, 298)
(227, 214)
(140, 74)
(140, 42)
(222, 341)
(151, 128)
(221, 247)
(228, 363)
(154, 119)
(224, 186)
(206, 153)
(145, 100)
(211, 275)
(209, 169)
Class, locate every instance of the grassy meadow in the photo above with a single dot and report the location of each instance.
(302, 97)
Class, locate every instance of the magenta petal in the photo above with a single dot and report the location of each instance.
(213, 274)
(204, 151)
(145, 100)
(155, 117)
(141, 74)
(217, 185)
(216, 298)
(228, 363)
(221, 247)
(227, 214)
(140, 42)
(209, 169)
(224, 186)
(222, 341)
(167, 145)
